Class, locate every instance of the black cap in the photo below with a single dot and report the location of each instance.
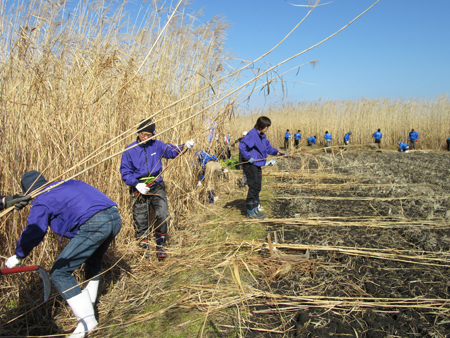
(29, 178)
(146, 126)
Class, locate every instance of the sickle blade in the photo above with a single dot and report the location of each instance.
(47, 283)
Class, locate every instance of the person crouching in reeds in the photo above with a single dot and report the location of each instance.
(254, 148)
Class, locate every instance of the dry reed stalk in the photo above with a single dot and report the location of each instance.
(369, 222)
(414, 198)
(419, 257)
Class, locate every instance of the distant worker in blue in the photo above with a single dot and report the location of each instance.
(311, 141)
(413, 138)
(403, 147)
(328, 138)
(297, 138)
(255, 147)
(448, 144)
(346, 140)
(378, 136)
(211, 170)
(287, 137)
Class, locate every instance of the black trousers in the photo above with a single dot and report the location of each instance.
(286, 143)
(412, 144)
(142, 207)
(379, 143)
(448, 144)
(254, 179)
(296, 142)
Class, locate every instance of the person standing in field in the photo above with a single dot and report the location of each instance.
(227, 140)
(311, 141)
(328, 138)
(80, 212)
(255, 147)
(378, 136)
(413, 138)
(297, 138)
(346, 140)
(403, 147)
(141, 163)
(287, 137)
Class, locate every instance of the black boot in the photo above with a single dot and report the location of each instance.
(160, 241)
(259, 212)
(252, 210)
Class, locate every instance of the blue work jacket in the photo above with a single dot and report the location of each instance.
(287, 135)
(403, 146)
(414, 135)
(347, 137)
(377, 135)
(312, 139)
(144, 160)
(328, 136)
(64, 208)
(257, 146)
(297, 136)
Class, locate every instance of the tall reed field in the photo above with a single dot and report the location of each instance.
(430, 118)
(76, 82)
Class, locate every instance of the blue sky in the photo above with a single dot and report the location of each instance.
(399, 49)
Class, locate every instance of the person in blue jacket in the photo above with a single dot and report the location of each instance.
(328, 138)
(140, 165)
(346, 140)
(448, 144)
(311, 141)
(90, 220)
(403, 147)
(211, 170)
(297, 138)
(413, 138)
(378, 136)
(287, 137)
(255, 147)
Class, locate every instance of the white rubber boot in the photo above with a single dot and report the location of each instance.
(82, 308)
(92, 287)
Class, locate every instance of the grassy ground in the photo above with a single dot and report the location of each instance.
(165, 311)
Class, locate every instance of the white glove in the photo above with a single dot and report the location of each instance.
(142, 188)
(190, 143)
(12, 262)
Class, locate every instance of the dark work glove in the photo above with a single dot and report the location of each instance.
(18, 201)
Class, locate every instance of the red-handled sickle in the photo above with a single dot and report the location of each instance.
(42, 272)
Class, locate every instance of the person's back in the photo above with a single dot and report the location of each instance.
(297, 137)
(403, 147)
(287, 137)
(328, 138)
(64, 208)
(378, 136)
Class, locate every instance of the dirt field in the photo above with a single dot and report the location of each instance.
(391, 209)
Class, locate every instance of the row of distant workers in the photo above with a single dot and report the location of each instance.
(413, 138)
